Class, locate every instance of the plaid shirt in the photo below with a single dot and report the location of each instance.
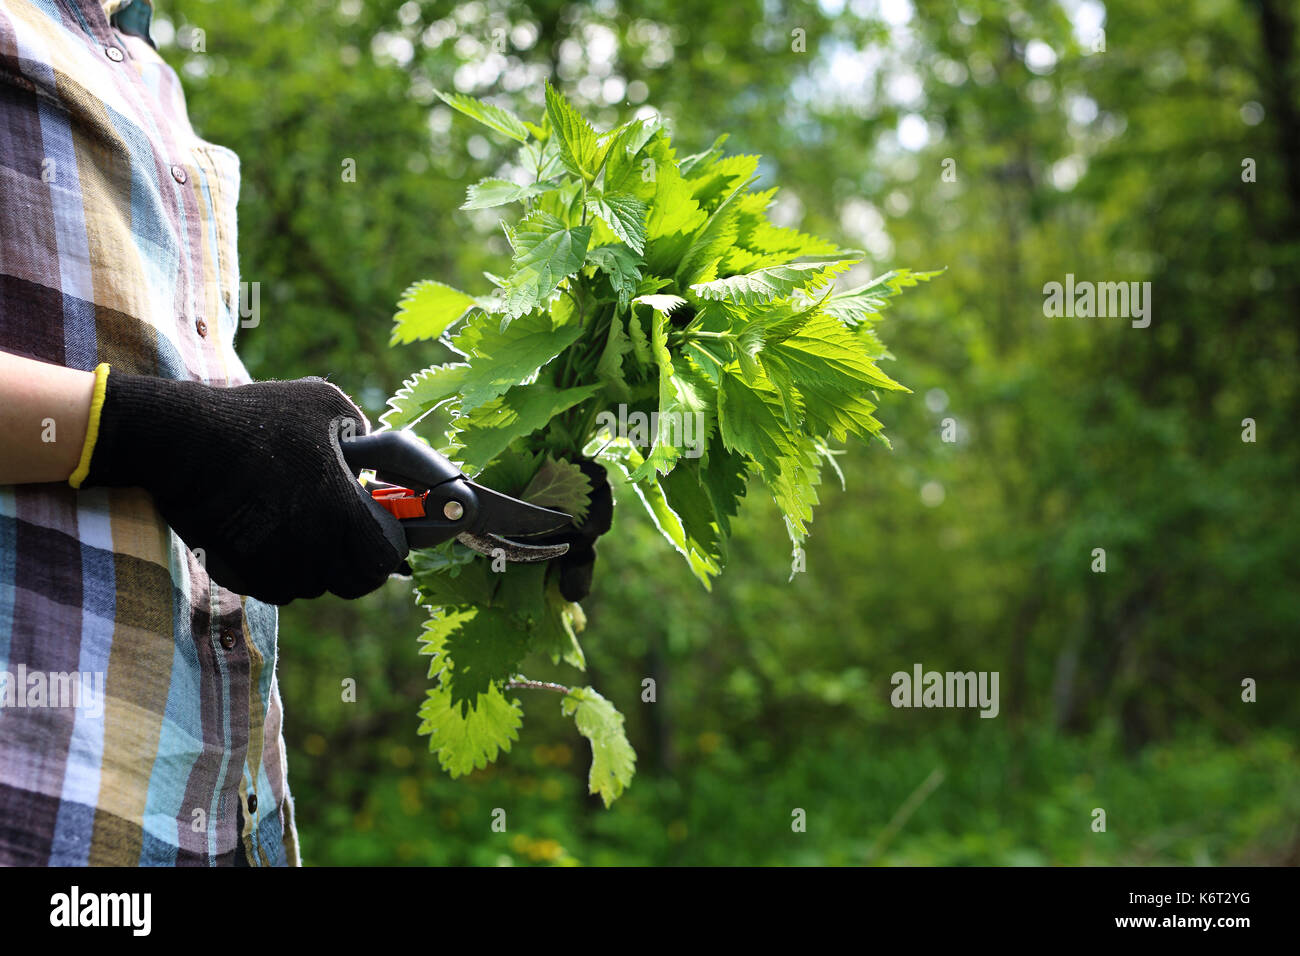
(140, 718)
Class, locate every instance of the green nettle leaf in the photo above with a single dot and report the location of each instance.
(612, 759)
(863, 303)
(483, 651)
(433, 642)
(437, 586)
(423, 392)
(546, 253)
(698, 557)
(610, 367)
(687, 496)
(500, 358)
(556, 633)
(773, 282)
(683, 406)
(426, 309)
(650, 283)
(561, 485)
(488, 430)
(625, 169)
(752, 422)
(579, 145)
(623, 270)
(724, 476)
(639, 340)
(625, 216)
(469, 740)
(503, 121)
(661, 303)
(711, 243)
(497, 192)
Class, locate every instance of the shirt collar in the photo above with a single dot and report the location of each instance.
(130, 16)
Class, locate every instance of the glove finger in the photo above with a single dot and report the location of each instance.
(371, 549)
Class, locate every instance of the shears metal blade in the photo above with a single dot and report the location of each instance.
(435, 501)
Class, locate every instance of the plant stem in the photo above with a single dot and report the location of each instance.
(710, 335)
(587, 422)
(520, 682)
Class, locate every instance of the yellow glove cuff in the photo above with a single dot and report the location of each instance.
(92, 426)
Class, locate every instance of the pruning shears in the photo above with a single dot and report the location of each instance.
(435, 501)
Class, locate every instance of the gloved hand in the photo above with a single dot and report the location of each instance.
(576, 566)
(253, 475)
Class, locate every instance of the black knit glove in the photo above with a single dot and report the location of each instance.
(253, 475)
(576, 566)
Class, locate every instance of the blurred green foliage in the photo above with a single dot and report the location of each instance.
(1119, 691)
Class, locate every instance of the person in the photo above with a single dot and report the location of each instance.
(140, 468)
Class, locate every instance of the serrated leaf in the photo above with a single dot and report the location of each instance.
(483, 651)
(629, 459)
(685, 493)
(610, 367)
(546, 252)
(752, 422)
(510, 471)
(579, 145)
(487, 193)
(710, 243)
(822, 351)
(683, 406)
(433, 637)
(487, 430)
(501, 120)
(794, 486)
(623, 270)
(649, 285)
(691, 165)
(502, 358)
(520, 593)
(624, 214)
(556, 634)
(854, 306)
(674, 218)
(439, 586)
(423, 392)
(639, 340)
(468, 741)
(613, 761)
(757, 239)
(725, 176)
(426, 309)
(834, 383)
(773, 282)
(664, 303)
(725, 477)
(623, 172)
(560, 484)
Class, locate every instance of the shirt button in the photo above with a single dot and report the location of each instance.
(179, 174)
(114, 54)
(201, 327)
(228, 639)
(252, 803)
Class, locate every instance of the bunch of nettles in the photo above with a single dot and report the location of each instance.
(652, 320)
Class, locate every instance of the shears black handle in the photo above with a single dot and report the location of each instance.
(435, 501)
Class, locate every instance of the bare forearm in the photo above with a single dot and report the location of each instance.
(43, 414)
